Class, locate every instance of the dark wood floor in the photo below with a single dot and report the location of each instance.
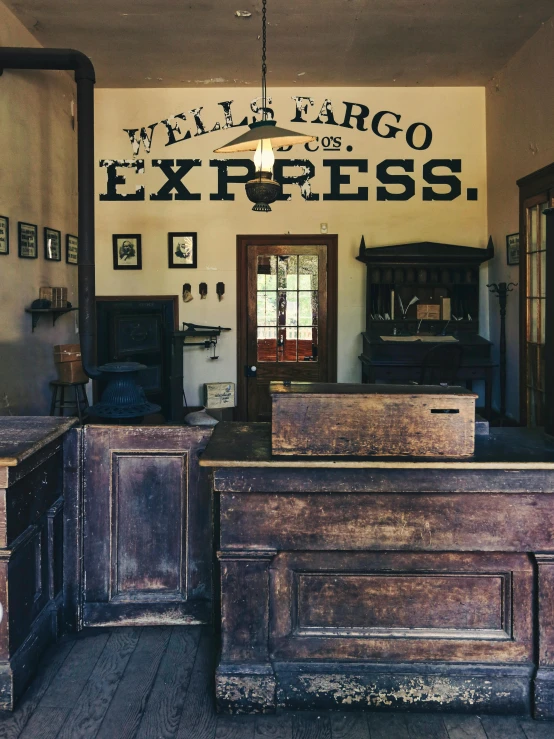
(155, 683)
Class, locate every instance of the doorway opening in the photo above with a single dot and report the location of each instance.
(286, 315)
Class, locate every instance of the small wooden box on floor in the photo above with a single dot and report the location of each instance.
(360, 420)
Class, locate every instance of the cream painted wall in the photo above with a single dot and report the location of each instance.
(520, 140)
(38, 184)
(456, 116)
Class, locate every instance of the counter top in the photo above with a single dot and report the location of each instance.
(22, 436)
(249, 445)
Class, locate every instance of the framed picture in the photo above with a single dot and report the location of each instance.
(182, 249)
(512, 248)
(52, 244)
(27, 240)
(4, 235)
(71, 249)
(127, 251)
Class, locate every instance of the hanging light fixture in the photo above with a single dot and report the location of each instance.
(262, 138)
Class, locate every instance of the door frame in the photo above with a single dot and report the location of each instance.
(530, 186)
(243, 242)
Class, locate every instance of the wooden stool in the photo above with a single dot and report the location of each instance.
(80, 402)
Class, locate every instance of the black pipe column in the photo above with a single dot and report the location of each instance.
(71, 60)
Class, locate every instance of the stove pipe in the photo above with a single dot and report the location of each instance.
(69, 59)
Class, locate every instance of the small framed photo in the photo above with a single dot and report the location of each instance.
(127, 251)
(512, 248)
(27, 240)
(4, 235)
(71, 249)
(182, 250)
(52, 244)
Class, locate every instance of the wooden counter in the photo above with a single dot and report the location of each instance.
(385, 583)
(31, 545)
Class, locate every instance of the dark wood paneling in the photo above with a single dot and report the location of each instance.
(147, 525)
(416, 606)
(457, 604)
(148, 521)
(388, 521)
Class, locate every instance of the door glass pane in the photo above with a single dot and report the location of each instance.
(307, 308)
(288, 273)
(267, 344)
(267, 273)
(287, 297)
(267, 308)
(307, 344)
(287, 344)
(308, 277)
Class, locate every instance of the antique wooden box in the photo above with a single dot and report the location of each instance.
(359, 420)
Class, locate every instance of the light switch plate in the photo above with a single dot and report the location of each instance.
(323, 228)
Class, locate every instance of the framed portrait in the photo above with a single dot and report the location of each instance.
(512, 248)
(27, 240)
(52, 244)
(182, 249)
(4, 235)
(71, 249)
(127, 251)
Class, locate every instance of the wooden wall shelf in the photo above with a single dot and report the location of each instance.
(37, 313)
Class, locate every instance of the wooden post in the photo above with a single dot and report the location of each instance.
(245, 679)
(544, 680)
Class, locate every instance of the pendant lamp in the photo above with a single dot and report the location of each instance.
(262, 138)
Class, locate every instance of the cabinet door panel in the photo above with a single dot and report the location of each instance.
(147, 526)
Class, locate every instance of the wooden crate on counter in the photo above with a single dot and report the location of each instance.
(310, 419)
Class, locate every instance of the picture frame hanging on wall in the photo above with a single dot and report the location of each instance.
(182, 249)
(52, 244)
(71, 249)
(127, 251)
(512, 249)
(27, 240)
(4, 235)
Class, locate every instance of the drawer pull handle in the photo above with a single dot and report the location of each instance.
(445, 410)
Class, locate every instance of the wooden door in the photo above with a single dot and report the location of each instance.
(287, 287)
(146, 528)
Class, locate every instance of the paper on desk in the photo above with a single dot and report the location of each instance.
(438, 338)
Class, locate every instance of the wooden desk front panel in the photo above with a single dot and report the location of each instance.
(408, 607)
(359, 522)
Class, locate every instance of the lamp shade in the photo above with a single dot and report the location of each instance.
(264, 130)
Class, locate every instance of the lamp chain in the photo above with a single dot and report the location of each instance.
(264, 66)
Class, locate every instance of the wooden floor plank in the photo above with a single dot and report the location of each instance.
(349, 726)
(502, 727)
(125, 711)
(426, 726)
(45, 724)
(86, 716)
(199, 719)
(537, 729)
(12, 724)
(311, 726)
(235, 727)
(167, 699)
(387, 725)
(464, 727)
(70, 680)
(277, 726)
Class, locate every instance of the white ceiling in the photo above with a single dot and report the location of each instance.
(192, 43)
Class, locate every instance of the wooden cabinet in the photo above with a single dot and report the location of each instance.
(146, 526)
(430, 272)
(31, 546)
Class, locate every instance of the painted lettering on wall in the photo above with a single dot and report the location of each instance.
(347, 178)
